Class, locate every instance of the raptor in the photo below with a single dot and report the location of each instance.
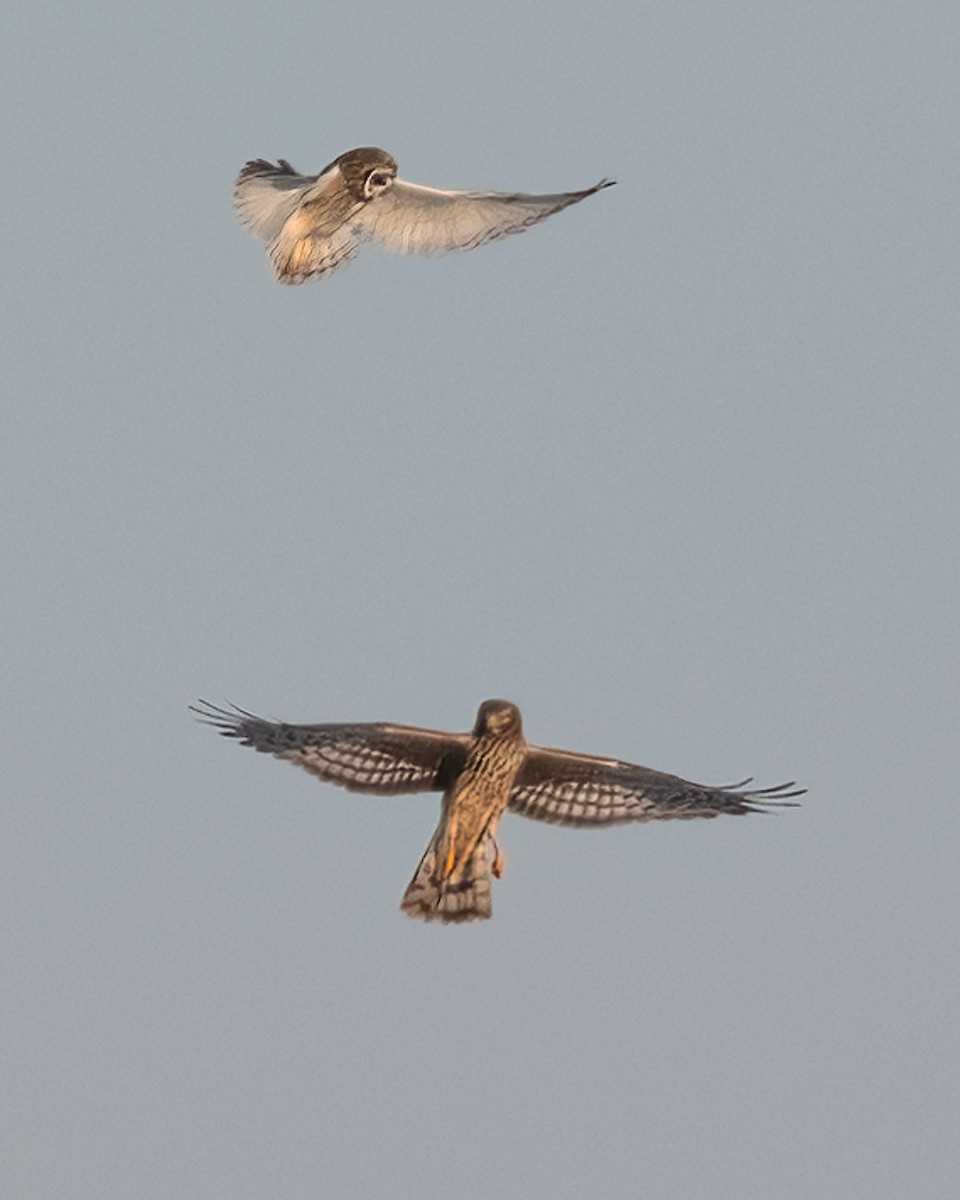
(481, 775)
(313, 224)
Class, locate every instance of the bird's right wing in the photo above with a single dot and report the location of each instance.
(266, 195)
(380, 758)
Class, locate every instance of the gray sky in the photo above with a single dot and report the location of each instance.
(675, 471)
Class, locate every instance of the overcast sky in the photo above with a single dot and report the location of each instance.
(676, 471)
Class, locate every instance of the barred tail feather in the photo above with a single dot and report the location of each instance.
(462, 896)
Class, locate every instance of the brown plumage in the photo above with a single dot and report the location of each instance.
(481, 774)
(313, 224)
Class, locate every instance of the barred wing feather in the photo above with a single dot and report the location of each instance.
(383, 759)
(578, 789)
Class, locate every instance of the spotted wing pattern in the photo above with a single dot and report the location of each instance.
(578, 789)
(383, 759)
(411, 219)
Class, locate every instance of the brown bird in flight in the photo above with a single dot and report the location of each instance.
(312, 224)
(481, 774)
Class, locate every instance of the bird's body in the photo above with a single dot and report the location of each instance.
(312, 224)
(453, 879)
(481, 774)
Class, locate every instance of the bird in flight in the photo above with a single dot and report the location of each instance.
(312, 224)
(481, 775)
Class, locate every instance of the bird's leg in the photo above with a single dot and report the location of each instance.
(499, 862)
(451, 856)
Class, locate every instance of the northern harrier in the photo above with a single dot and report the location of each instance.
(481, 774)
(314, 223)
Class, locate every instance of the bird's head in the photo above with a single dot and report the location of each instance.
(497, 717)
(367, 171)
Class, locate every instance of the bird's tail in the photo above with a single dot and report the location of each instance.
(461, 895)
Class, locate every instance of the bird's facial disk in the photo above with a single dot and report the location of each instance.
(366, 171)
(377, 181)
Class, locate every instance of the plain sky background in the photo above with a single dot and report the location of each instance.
(676, 471)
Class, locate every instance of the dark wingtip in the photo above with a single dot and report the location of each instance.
(260, 166)
(780, 791)
(255, 166)
(226, 721)
(783, 795)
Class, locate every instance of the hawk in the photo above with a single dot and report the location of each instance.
(481, 774)
(312, 224)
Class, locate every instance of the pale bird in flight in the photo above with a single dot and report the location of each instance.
(312, 224)
(481, 775)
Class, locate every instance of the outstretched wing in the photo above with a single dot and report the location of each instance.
(302, 218)
(578, 789)
(411, 219)
(383, 759)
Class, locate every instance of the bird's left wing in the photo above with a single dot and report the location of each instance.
(411, 219)
(379, 758)
(578, 789)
